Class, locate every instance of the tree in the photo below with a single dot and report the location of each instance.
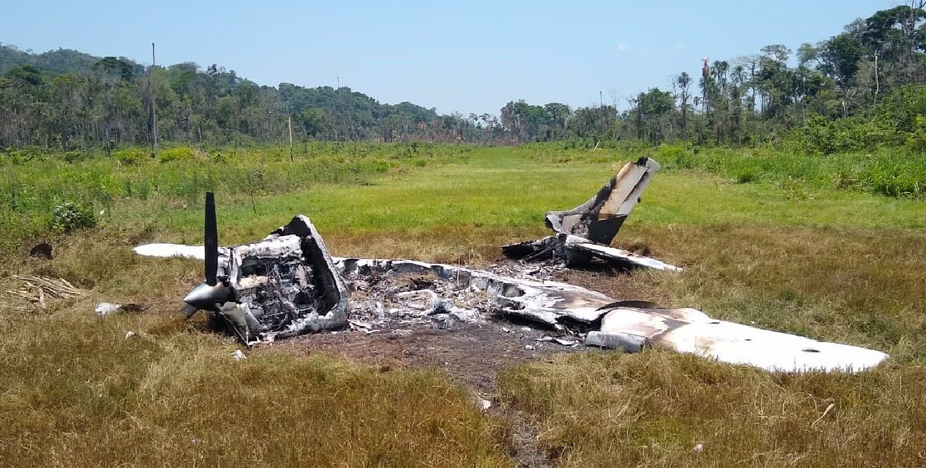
(593, 122)
(893, 39)
(112, 82)
(682, 85)
(649, 110)
(524, 121)
(557, 115)
(22, 103)
(774, 79)
(840, 56)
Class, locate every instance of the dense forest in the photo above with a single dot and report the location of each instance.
(861, 88)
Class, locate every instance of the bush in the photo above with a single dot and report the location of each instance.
(24, 155)
(74, 157)
(916, 141)
(823, 136)
(131, 156)
(901, 107)
(71, 216)
(897, 177)
(180, 153)
(670, 152)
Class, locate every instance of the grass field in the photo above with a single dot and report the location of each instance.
(827, 259)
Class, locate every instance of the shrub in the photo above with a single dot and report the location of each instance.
(180, 153)
(745, 175)
(901, 107)
(896, 178)
(857, 133)
(73, 157)
(916, 141)
(130, 156)
(670, 152)
(24, 155)
(70, 216)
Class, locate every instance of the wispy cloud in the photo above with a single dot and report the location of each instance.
(623, 47)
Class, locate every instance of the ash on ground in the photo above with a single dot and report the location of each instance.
(384, 301)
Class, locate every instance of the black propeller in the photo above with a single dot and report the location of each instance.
(211, 241)
(212, 293)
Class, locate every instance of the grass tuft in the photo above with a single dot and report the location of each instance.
(655, 408)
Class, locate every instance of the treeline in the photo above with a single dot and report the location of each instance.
(113, 101)
(860, 88)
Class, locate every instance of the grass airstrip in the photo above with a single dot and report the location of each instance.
(832, 248)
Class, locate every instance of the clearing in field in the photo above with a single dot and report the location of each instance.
(795, 256)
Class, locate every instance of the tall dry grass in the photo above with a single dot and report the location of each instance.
(77, 392)
(853, 286)
(661, 409)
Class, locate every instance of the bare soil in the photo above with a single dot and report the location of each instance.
(472, 354)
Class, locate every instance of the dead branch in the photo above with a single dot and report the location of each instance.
(35, 289)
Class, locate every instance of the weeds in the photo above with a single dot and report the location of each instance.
(34, 183)
(894, 172)
(70, 217)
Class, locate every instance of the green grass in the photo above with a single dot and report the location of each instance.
(30, 190)
(835, 262)
(894, 172)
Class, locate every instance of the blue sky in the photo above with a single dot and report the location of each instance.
(471, 56)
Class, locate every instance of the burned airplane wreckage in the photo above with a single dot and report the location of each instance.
(586, 231)
(287, 284)
(283, 286)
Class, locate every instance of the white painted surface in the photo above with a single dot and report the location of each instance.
(171, 250)
(681, 330)
(625, 255)
(692, 331)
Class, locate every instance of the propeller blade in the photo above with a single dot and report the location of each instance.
(189, 310)
(211, 239)
(207, 297)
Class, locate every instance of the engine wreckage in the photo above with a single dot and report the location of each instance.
(287, 284)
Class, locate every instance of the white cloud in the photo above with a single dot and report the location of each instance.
(622, 47)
